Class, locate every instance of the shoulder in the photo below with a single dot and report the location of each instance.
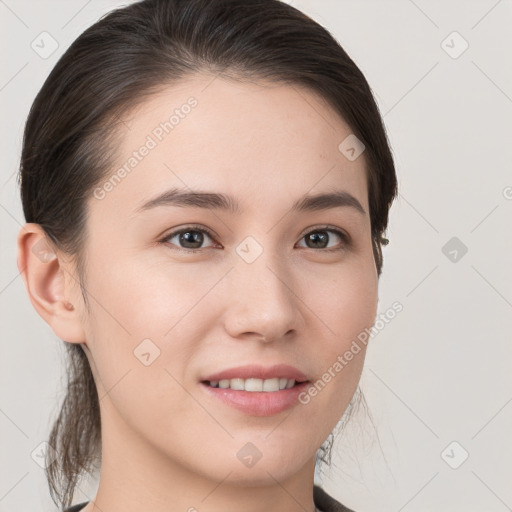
(326, 503)
(76, 508)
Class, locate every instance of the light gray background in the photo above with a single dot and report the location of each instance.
(441, 370)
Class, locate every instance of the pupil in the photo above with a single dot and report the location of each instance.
(192, 237)
(318, 236)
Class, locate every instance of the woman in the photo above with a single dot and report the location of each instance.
(206, 185)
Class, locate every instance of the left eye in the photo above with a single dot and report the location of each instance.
(319, 237)
(191, 239)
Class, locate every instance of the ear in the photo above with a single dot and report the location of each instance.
(50, 283)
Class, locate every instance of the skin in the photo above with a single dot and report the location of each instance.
(167, 446)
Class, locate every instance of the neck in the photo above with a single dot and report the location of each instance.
(136, 475)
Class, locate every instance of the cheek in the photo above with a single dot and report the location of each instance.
(343, 299)
(146, 299)
(141, 333)
(344, 305)
(146, 307)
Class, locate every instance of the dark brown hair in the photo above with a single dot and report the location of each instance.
(70, 137)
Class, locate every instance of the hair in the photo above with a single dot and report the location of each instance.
(71, 135)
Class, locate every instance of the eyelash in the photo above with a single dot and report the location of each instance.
(345, 237)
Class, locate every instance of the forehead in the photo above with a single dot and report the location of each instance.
(252, 140)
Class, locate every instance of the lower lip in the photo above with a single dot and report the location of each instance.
(258, 403)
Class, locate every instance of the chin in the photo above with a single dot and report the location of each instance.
(258, 463)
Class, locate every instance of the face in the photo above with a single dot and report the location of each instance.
(182, 289)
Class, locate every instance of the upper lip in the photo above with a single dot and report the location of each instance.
(259, 372)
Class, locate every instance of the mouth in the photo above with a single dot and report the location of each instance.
(256, 390)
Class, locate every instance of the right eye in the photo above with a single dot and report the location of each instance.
(191, 238)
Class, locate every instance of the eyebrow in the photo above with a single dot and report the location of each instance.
(217, 201)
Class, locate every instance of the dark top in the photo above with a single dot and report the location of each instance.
(322, 500)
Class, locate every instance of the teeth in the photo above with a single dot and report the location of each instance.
(289, 383)
(266, 385)
(236, 384)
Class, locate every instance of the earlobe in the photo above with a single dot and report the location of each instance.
(48, 280)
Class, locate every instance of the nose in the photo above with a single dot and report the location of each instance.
(262, 302)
